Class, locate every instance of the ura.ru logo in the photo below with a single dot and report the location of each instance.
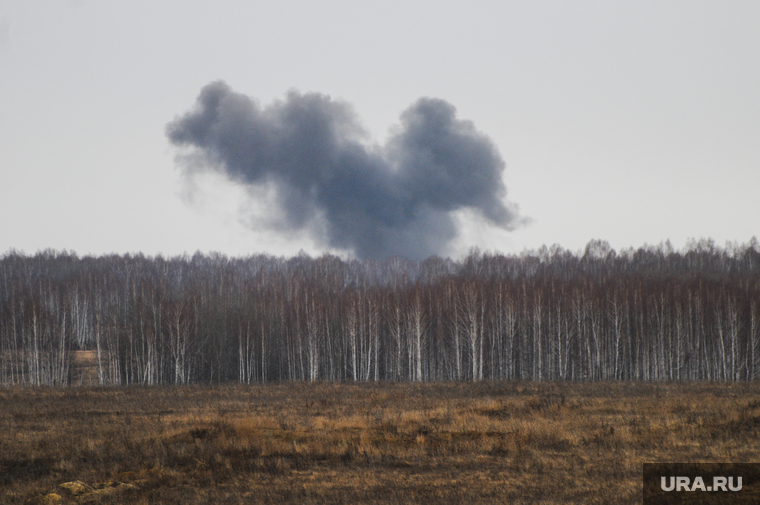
(719, 483)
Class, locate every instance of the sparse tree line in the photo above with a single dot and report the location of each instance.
(647, 314)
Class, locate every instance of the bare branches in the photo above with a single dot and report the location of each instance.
(650, 314)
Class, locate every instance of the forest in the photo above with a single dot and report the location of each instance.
(647, 314)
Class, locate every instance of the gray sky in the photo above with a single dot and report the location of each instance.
(632, 122)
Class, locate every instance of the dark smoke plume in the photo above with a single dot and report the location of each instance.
(376, 201)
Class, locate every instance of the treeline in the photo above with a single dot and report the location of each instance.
(647, 314)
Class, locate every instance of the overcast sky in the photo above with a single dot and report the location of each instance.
(632, 122)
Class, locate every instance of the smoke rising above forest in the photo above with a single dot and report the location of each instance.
(312, 153)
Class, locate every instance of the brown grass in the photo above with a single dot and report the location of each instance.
(490, 442)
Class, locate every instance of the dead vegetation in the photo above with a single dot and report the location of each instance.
(488, 442)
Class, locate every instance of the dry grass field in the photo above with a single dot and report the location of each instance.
(489, 442)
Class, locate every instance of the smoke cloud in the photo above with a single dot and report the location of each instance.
(376, 201)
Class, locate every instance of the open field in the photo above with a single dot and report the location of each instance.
(488, 442)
